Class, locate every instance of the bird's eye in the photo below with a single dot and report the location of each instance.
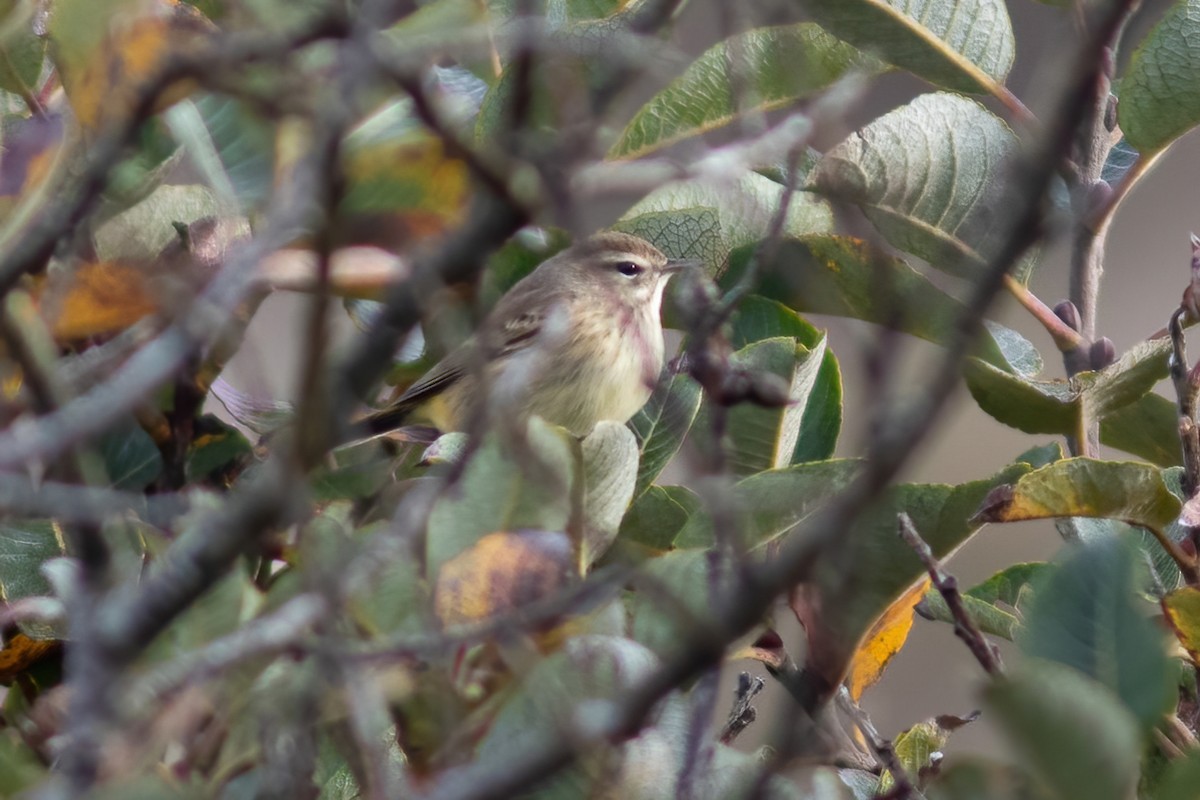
(629, 269)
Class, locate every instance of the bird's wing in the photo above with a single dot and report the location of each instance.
(503, 339)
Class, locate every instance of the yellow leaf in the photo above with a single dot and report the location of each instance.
(404, 189)
(1182, 609)
(883, 641)
(502, 572)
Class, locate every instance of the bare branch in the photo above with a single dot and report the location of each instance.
(985, 652)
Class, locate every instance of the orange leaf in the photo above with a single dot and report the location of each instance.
(101, 298)
(883, 641)
(500, 573)
(1182, 609)
(21, 653)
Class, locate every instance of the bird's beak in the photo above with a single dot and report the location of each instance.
(680, 264)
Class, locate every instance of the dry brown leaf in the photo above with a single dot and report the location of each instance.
(500, 573)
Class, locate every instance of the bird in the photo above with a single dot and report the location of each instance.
(577, 341)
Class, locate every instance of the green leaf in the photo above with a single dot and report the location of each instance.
(19, 766)
(965, 45)
(758, 318)
(766, 438)
(217, 447)
(676, 592)
(1082, 487)
(588, 671)
(990, 618)
(916, 749)
(744, 209)
(661, 425)
(131, 458)
(774, 501)
(1160, 91)
(1043, 707)
(229, 144)
(843, 276)
(1054, 406)
(1148, 427)
(875, 566)
(981, 602)
(778, 66)
(1086, 615)
(610, 460)
(500, 491)
(25, 545)
(929, 176)
(1007, 585)
(1180, 780)
(22, 52)
(657, 516)
(680, 233)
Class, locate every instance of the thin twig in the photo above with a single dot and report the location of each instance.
(903, 787)
(965, 628)
(743, 714)
(1065, 337)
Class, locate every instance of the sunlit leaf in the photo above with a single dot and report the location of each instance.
(965, 45)
(500, 573)
(1160, 93)
(929, 176)
(883, 641)
(778, 65)
(1086, 615)
(1042, 708)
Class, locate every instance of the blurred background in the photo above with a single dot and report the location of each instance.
(1147, 268)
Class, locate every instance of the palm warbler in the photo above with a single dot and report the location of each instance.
(577, 341)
